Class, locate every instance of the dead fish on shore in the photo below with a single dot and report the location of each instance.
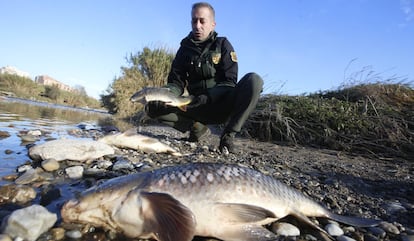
(161, 94)
(132, 140)
(228, 202)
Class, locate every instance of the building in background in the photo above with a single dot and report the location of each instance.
(47, 80)
(15, 71)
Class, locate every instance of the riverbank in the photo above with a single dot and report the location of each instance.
(346, 184)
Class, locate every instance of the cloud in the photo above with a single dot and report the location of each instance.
(407, 6)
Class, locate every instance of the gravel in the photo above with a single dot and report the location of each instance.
(346, 184)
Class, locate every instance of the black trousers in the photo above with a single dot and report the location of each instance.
(231, 105)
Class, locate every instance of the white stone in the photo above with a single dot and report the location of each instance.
(122, 164)
(75, 172)
(285, 229)
(333, 229)
(5, 237)
(29, 223)
(70, 149)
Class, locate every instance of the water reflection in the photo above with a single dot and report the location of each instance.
(18, 115)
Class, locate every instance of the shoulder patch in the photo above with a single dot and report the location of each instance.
(233, 56)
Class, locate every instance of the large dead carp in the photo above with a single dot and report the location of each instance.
(229, 202)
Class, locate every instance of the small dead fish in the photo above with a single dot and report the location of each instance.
(132, 140)
(228, 202)
(161, 94)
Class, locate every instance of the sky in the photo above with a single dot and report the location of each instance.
(297, 46)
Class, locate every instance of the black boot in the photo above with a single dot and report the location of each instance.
(227, 141)
(198, 131)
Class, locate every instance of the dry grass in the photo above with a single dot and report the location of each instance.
(371, 119)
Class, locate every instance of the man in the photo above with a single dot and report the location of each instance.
(207, 66)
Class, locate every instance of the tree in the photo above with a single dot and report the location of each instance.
(52, 91)
(145, 68)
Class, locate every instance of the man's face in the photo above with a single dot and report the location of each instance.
(202, 23)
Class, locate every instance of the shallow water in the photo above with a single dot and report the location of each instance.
(17, 115)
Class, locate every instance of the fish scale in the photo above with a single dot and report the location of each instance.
(229, 202)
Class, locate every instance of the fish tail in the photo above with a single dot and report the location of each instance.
(355, 221)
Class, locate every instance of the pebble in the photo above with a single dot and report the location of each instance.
(29, 138)
(5, 237)
(75, 172)
(333, 229)
(285, 229)
(29, 176)
(24, 168)
(104, 164)
(50, 165)
(122, 165)
(58, 233)
(29, 223)
(394, 207)
(344, 238)
(34, 132)
(4, 134)
(379, 232)
(389, 227)
(407, 238)
(8, 152)
(74, 234)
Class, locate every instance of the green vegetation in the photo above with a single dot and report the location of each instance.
(26, 88)
(146, 68)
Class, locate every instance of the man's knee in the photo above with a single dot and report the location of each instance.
(154, 109)
(252, 81)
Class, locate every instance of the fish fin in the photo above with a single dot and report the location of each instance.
(354, 221)
(244, 213)
(167, 218)
(319, 231)
(183, 108)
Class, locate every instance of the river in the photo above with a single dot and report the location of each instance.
(18, 115)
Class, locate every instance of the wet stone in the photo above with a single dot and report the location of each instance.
(73, 234)
(389, 228)
(345, 238)
(4, 134)
(122, 165)
(379, 232)
(8, 152)
(285, 229)
(16, 194)
(50, 165)
(29, 223)
(5, 237)
(333, 229)
(58, 233)
(407, 238)
(29, 176)
(75, 172)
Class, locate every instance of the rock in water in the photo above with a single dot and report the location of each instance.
(69, 149)
(29, 223)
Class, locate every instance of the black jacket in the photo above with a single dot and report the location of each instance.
(203, 65)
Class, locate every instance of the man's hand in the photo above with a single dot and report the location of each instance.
(198, 100)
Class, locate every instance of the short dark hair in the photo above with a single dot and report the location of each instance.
(204, 4)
